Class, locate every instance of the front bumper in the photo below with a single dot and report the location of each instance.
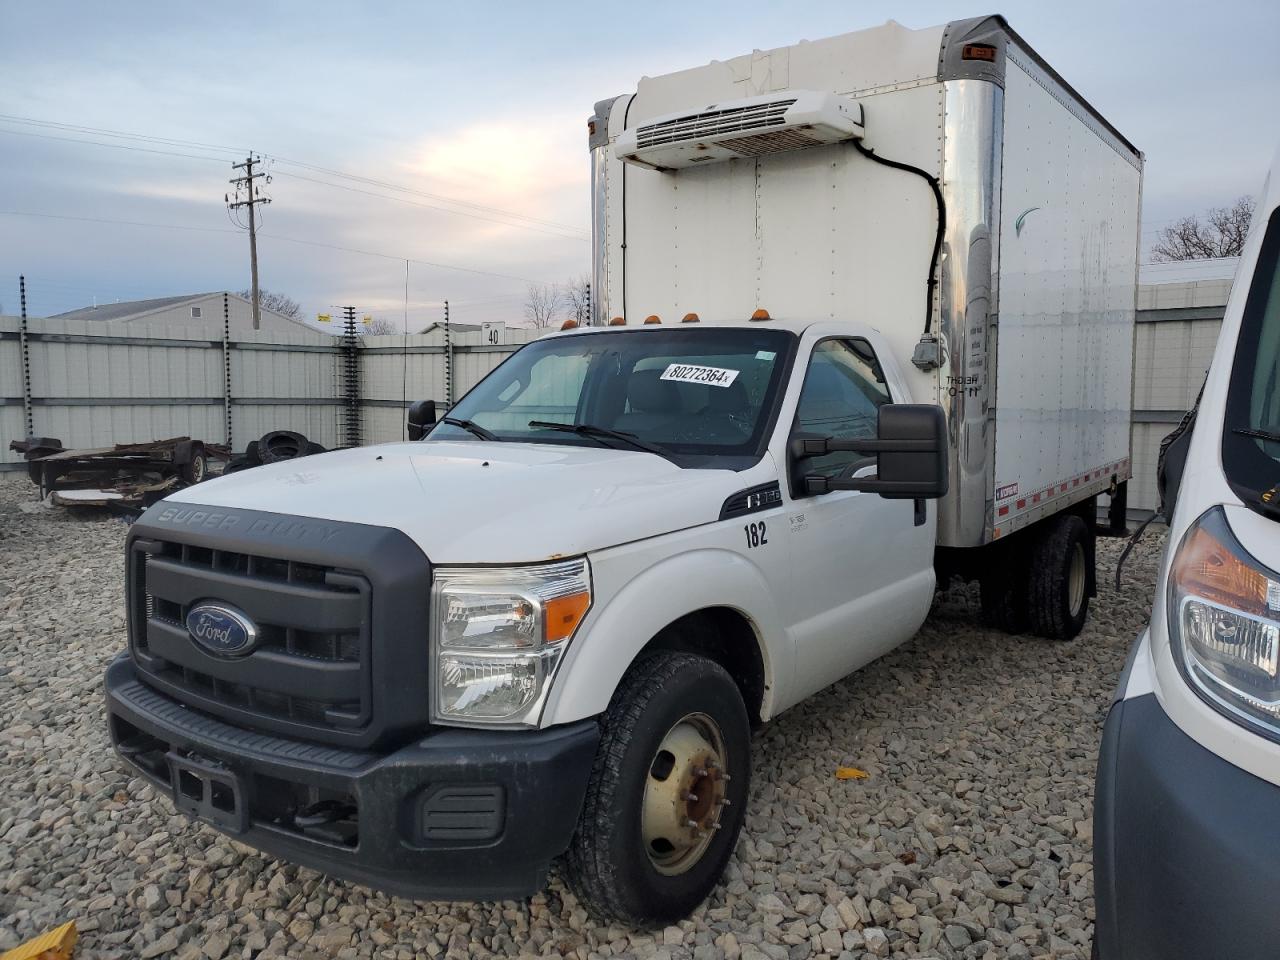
(1186, 846)
(458, 815)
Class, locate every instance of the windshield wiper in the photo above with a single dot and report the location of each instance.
(602, 434)
(471, 427)
(1259, 433)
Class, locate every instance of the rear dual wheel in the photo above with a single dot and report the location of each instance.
(668, 789)
(1044, 587)
(1058, 587)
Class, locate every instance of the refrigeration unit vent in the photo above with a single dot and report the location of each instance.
(751, 127)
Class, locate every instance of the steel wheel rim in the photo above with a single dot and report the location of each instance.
(684, 794)
(1076, 579)
(197, 468)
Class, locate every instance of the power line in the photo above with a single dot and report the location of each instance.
(425, 263)
(431, 206)
(80, 128)
(386, 184)
(284, 239)
(116, 146)
(126, 223)
(328, 171)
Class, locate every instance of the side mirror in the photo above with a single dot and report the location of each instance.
(421, 416)
(910, 447)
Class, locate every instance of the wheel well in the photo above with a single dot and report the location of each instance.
(727, 637)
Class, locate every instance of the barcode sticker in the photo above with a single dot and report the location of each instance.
(692, 373)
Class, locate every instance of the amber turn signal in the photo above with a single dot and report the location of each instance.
(563, 614)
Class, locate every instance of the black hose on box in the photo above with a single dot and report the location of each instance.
(931, 285)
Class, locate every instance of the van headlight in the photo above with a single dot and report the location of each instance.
(497, 636)
(1224, 617)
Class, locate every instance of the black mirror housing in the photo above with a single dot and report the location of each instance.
(911, 450)
(421, 416)
(908, 473)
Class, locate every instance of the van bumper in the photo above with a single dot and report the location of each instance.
(458, 815)
(1186, 846)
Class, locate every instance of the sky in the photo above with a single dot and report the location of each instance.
(471, 119)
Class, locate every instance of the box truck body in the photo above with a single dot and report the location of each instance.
(1036, 277)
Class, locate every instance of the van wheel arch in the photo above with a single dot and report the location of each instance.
(728, 637)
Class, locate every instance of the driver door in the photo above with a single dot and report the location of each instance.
(859, 562)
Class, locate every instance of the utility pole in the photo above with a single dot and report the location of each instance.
(249, 194)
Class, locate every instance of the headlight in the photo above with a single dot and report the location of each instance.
(498, 635)
(1224, 623)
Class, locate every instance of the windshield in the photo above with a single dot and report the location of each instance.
(702, 397)
(1251, 440)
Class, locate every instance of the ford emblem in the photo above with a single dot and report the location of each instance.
(221, 629)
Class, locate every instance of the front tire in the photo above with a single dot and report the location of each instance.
(667, 794)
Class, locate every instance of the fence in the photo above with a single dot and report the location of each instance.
(95, 384)
(1180, 310)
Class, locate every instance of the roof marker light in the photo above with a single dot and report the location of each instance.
(569, 325)
(618, 322)
(690, 318)
(761, 314)
(978, 51)
(653, 318)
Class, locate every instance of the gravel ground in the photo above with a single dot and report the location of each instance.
(971, 837)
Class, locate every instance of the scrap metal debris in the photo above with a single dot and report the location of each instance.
(131, 476)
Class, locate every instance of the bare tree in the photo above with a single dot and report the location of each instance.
(1222, 234)
(380, 326)
(540, 304)
(577, 298)
(275, 302)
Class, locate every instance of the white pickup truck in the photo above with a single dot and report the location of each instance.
(545, 629)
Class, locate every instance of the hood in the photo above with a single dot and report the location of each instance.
(478, 502)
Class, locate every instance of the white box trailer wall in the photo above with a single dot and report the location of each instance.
(1034, 301)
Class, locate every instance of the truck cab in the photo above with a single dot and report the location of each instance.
(553, 626)
(1187, 807)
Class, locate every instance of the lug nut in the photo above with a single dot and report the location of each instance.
(691, 823)
(699, 772)
(691, 797)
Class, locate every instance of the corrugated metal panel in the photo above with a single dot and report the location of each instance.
(1172, 359)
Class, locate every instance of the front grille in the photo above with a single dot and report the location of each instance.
(711, 123)
(310, 668)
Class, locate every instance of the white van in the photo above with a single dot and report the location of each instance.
(1187, 809)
